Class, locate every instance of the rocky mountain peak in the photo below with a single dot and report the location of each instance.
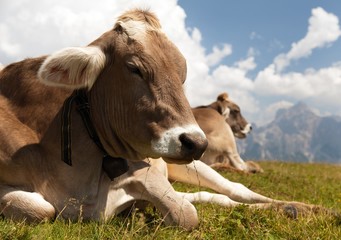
(296, 134)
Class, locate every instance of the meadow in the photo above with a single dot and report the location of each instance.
(311, 183)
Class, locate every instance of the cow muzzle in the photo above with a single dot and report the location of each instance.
(181, 145)
(242, 134)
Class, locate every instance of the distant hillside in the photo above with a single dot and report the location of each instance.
(296, 134)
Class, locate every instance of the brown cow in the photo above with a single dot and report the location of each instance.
(138, 109)
(232, 114)
(132, 77)
(222, 152)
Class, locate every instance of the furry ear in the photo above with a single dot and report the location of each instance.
(222, 97)
(74, 68)
(223, 109)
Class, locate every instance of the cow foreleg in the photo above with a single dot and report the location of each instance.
(207, 197)
(200, 174)
(231, 193)
(20, 205)
(155, 188)
(292, 209)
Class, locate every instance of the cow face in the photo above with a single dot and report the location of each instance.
(134, 75)
(233, 116)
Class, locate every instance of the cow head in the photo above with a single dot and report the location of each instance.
(231, 111)
(134, 76)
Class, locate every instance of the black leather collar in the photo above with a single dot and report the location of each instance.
(114, 167)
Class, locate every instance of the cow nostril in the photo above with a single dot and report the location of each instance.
(250, 128)
(193, 144)
(186, 141)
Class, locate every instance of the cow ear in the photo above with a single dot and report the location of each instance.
(222, 97)
(220, 108)
(74, 68)
(224, 110)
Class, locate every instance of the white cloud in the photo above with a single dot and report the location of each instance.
(234, 80)
(5, 42)
(218, 54)
(323, 29)
(323, 84)
(254, 35)
(247, 64)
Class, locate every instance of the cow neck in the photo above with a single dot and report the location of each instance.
(113, 167)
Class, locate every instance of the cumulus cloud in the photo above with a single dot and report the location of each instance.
(323, 29)
(234, 80)
(218, 54)
(325, 82)
(247, 64)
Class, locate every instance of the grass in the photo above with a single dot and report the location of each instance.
(311, 183)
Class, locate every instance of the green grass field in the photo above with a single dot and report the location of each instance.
(310, 183)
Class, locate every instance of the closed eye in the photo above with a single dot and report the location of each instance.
(235, 111)
(134, 69)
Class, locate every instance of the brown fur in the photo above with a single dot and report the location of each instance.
(221, 152)
(134, 98)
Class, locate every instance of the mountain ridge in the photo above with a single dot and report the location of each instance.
(296, 134)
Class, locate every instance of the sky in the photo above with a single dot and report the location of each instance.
(266, 54)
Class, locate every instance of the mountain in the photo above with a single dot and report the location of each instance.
(296, 134)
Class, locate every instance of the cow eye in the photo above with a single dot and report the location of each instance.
(135, 70)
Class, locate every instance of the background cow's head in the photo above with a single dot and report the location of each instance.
(134, 78)
(231, 111)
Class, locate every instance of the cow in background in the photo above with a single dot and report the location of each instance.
(221, 121)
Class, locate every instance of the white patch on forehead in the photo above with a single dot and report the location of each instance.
(136, 29)
(169, 143)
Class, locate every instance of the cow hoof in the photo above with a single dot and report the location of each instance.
(253, 167)
(291, 211)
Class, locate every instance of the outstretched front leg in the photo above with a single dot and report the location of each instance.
(229, 193)
(200, 174)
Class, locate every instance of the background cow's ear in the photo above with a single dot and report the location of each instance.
(74, 68)
(224, 110)
(222, 97)
(220, 108)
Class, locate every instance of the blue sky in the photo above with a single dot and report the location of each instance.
(268, 26)
(266, 54)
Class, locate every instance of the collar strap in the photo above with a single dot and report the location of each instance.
(114, 167)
